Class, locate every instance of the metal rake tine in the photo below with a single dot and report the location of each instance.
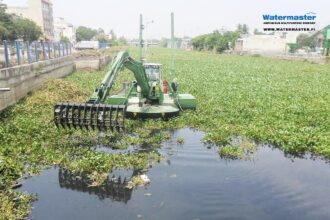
(104, 117)
(55, 116)
(63, 113)
(85, 115)
(67, 115)
(79, 116)
(73, 116)
(117, 124)
(110, 118)
(91, 117)
(123, 118)
(97, 117)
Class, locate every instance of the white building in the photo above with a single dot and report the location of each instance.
(39, 11)
(265, 44)
(62, 28)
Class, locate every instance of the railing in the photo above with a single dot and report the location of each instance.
(19, 52)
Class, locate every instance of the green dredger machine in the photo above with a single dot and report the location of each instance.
(149, 96)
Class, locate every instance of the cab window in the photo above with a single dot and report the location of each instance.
(152, 73)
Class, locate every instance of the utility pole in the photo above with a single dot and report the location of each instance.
(172, 47)
(140, 38)
(147, 22)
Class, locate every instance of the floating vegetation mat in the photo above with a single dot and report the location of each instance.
(285, 103)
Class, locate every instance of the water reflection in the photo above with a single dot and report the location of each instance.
(192, 182)
(114, 187)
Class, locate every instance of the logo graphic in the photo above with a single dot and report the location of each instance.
(276, 22)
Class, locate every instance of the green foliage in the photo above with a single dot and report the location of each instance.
(14, 205)
(29, 142)
(65, 39)
(4, 33)
(215, 41)
(113, 41)
(14, 28)
(101, 38)
(113, 35)
(180, 140)
(27, 30)
(164, 42)
(199, 42)
(7, 27)
(284, 103)
(243, 148)
(242, 29)
(122, 41)
(292, 47)
(257, 32)
(304, 40)
(85, 33)
(100, 31)
(3, 6)
(231, 152)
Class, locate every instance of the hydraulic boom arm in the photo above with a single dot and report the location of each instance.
(148, 97)
(122, 59)
(96, 113)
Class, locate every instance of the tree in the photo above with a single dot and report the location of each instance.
(85, 33)
(242, 29)
(65, 39)
(27, 30)
(231, 37)
(113, 35)
(113, 38)
(7, 27)
(245, 29)
(164, 42)
(3, 6)
(101, 38)
(216, 41)
(211, 40)
(4, 33)
(13, 27)
(199, 42)
(304, 40)
(257, 32)
(122, 41)
(100, 31)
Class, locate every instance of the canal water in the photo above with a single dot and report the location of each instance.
(192, 182)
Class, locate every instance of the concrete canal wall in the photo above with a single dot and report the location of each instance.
(26, 78)
(92, 63)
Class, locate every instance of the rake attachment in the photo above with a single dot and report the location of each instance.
(88, 115)
(112, 188)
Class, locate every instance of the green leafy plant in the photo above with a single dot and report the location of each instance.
(284, 103)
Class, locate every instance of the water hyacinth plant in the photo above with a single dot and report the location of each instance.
(285, 103)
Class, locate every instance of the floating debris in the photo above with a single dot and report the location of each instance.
(180, 140)
(140, 180)
(173, 176)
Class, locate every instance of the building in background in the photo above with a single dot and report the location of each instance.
(62, 28)
(265, 44)
(186, 43)
(39, 11)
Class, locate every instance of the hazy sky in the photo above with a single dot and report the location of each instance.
(192, 17)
